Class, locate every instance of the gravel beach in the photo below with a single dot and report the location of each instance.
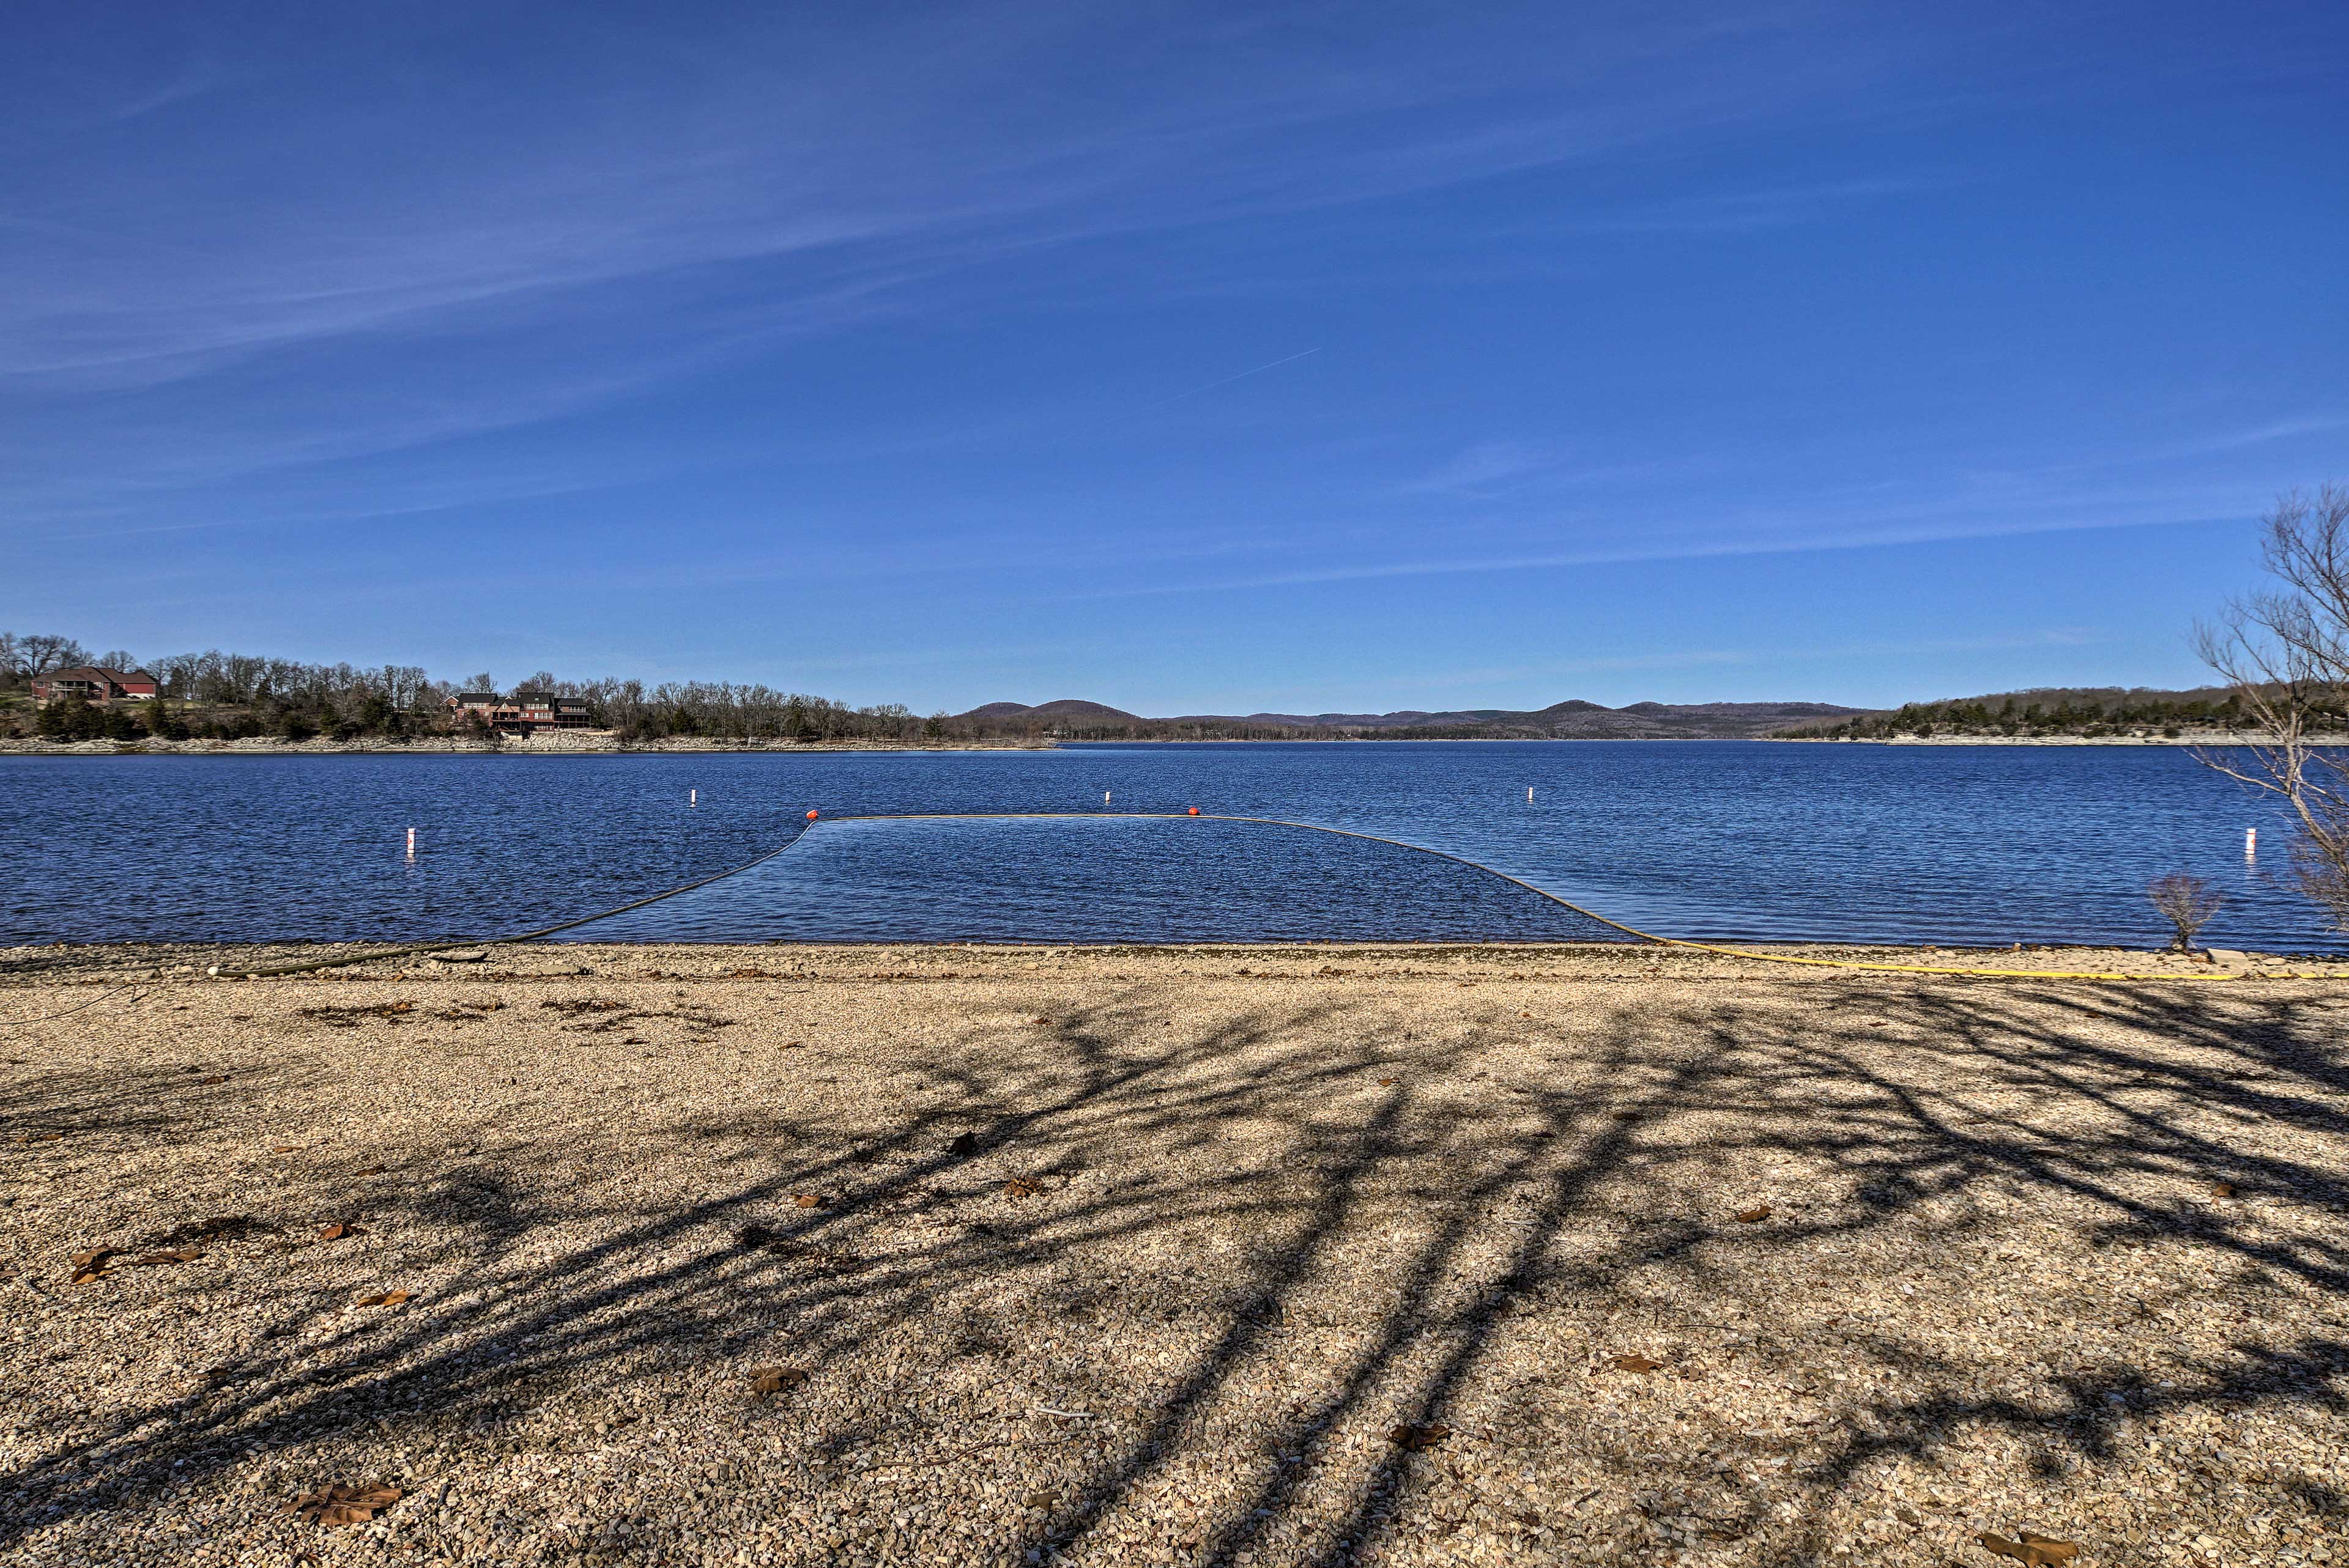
(1367, 1254)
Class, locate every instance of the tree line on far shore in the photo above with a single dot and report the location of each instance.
(235, 696)
(2090, 712)
(232, 696)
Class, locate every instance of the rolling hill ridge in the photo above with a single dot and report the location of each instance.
(1573, 720)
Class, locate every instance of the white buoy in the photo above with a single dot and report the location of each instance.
(1529, 794)
(411, 843)
(2250, 844)
(1104, 796)
(693, 797)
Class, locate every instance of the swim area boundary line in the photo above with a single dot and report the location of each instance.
(1529, 887)
(815, 821)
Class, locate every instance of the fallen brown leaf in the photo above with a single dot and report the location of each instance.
(93, 1263)
(341, 1228)
(1634, 1364)
(2222, 1190)
(171, 1255)
(388, 1298)
(2032, 1550)
(1754, 1215)
(214, 1077)
(345, 1505)
(369, 1170)
(1044, 1020)
(775, 1379)
(811, 1200)
(1020, 1187)
(1389, 1083)
(285, 1148)
(1418, 1440)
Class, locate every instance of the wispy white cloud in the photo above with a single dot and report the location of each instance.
(794, 176)
(790, 145)
(1548, 680)
(1489, 470)
(1783, 533)
(2274, 430)
(1482, 467)
(1770, 207)
(329, 278)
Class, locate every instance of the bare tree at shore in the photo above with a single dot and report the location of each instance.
(2285, 652)
(2188, 903)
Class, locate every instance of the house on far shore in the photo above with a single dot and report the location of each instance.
(466, 704)
(95, 684)
(524, 713)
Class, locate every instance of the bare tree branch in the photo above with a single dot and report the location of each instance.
(2285, 652)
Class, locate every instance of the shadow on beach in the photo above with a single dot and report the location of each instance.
(1310, 1273)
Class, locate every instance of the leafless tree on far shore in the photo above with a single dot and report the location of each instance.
(2285, 651)
(2187, 903)
(38, 654)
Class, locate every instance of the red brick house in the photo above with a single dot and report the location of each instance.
(524, 713)
(95, 684)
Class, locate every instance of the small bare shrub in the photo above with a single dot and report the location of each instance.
(2187, 903)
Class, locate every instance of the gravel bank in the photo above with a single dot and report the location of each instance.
(1152, 1256)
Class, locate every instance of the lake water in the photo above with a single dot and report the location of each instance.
(1722, 840)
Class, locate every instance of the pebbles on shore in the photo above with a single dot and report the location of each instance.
(1148, 1255)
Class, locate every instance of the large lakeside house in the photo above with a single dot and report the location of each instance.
(95, 684)
(523, 713)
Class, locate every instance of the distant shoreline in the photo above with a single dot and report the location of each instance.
(2211, 738)
(559, 743)
(575, 743)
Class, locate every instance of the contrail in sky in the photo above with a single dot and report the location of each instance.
(1228, 380)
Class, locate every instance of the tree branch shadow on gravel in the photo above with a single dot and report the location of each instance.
(1444, 1248)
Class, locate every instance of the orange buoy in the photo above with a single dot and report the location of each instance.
(1194, 810)
(810, 816)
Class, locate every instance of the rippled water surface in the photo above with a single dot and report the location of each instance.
(1710, 839)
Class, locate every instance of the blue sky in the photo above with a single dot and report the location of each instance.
(1185, 357)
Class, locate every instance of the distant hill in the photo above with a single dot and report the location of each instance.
(1066, 707)
(1573, 720)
